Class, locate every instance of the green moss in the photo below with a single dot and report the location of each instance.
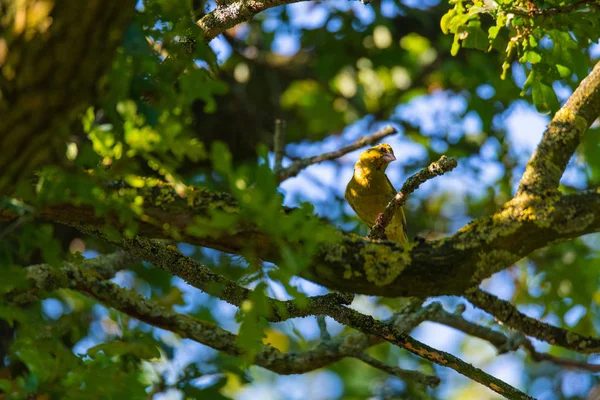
(578, 124)
(491, 262)
(334, 253)
(204, 198)
(347, 271)
(382, 265)
(486, 230)
(166, 196)
(571, 337)
(574, 222)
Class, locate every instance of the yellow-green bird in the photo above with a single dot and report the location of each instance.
(370, 190)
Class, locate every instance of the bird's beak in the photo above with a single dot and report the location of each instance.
(389, 157)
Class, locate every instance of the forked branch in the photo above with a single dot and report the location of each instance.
(434, 169)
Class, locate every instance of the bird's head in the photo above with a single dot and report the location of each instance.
(377, 156)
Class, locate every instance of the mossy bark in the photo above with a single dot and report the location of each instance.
(52, 56)
(357, 265)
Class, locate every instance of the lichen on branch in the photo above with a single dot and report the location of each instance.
(562, 136)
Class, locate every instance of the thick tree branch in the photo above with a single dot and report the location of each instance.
(301, 164)
(55, 54)
(513, 318)
(355, 265)
(561, 138)
(434, 169)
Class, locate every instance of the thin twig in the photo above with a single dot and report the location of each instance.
(279, 144)
(565, 362)
(391, 334)
(325, 337)
(434, 169)
(537, 12)
(509, 315)
(456, 321)
(501, 341)
(299, 165)
(414, 376)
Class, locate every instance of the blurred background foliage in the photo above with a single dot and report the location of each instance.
(475, 81)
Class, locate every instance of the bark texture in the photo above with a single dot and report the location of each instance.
(52, 56)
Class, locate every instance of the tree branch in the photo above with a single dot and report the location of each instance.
(572, 364)
(503, 342)
(299, 165)
(90, 277)
(456, 321)
(434, 169)
(561, 138)
(323, 332)
(353, 264)
(46, 278)
(170, 259)
(513, 318)
(231, 13)
(279, 144)
(414, 376)
(537, 12)
(50, 88)
(390, 333)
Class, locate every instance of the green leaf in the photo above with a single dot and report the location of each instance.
(445, 21)
(5, 385)
(475, 38)
(198, 84)
(563, 71)
(13, 277)
(528, 82)
(253, 324)
(144, 351)
(531, 56)
(221, 159)
(493, 31)
(455, 45)
(544, 98)
(12, 314)
(218, 224)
